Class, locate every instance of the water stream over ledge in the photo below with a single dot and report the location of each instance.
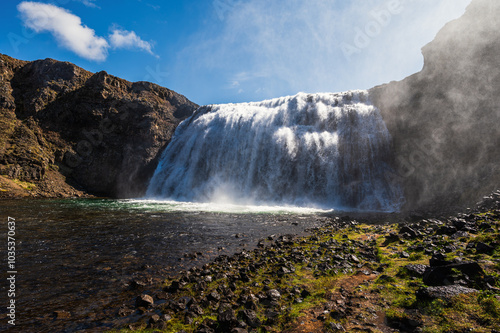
(80, 256)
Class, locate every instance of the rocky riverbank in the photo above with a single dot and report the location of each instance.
(426, 275)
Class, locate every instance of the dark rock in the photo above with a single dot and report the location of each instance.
(213, 296)
(438, 259)
(334, 327)
(250, 317)
(136, 284)
(62, 314)
(239, 330)
(353, 258)
(416, 269)
(484, 248)
(144, 301)
(443, 292)
(404, 254)
(154, 319)
(444, 275)
(412, 234)
(227, 318)
(273, 294)
(196, 309)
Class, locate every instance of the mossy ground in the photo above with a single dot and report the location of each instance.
(372, 293)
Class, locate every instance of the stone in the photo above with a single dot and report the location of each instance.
(62, 314)
(443, 292)
(334, 327)
(144, 300)
(213, 296)
(227, 317)
(410, 232)
(416, 269)
(239, 330)
(273, 294)
(444, 275)
(484, 248)
(250, 317)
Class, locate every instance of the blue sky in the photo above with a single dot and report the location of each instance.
(222, 51)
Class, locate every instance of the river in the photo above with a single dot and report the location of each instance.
(79, 256)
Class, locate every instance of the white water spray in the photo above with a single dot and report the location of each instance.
(314, 150)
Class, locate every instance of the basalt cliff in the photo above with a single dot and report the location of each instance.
(444, 120)
(67, 132)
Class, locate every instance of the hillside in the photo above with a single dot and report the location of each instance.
(68, 132)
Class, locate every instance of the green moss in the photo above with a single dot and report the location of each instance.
(25, 185)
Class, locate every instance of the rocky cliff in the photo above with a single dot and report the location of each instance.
(445, 119)
(65, 131)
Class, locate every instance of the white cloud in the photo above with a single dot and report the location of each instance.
(65, 27)
(71, 34)
(129, 40)
(89, 3)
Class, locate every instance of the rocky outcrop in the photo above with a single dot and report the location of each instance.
(444, 120)
(100, 133)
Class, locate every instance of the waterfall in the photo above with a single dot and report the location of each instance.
(316, 150)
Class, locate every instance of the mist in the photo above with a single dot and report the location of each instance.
(257, 49)
(444, 120)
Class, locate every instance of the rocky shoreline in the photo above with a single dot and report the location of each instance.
(428, 275)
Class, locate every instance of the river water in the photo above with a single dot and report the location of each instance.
(79, 256)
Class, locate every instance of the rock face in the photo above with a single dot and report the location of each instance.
(99, 133)
(444, 119)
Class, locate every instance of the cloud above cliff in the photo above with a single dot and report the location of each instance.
(70, 33)
(129, 40)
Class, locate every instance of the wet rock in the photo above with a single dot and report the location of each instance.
(136, 284)
(62, 314)
(443, 292)
(144, 300)
(154, 319)
(123, 312)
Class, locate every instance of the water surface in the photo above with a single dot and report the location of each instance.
(81, 255)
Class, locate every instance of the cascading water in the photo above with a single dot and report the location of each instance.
(317, 150)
